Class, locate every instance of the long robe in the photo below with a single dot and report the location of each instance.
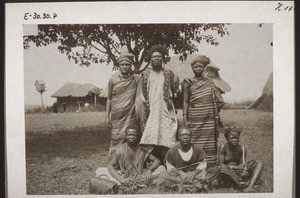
(205, 101)
(160, 122)
(122, 108)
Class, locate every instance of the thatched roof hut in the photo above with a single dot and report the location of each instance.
(71, 96)
(74, 90)
(265, 101)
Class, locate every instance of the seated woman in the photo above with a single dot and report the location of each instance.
(232, 160)
(129, 161)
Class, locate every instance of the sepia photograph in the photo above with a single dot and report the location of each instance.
(116, 107)
(86, 84)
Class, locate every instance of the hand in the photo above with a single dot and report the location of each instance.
(189, 178)
(182, 174)
(126, 181)
(241, 167)
(244, 166)
(148, 175)
(245, 173)
(108, 122)
(185, 122)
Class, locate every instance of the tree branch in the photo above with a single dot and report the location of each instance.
(140, 71)
(115, 48)
(98, 48)
(128, 42)
(144, 54)
(110, 54)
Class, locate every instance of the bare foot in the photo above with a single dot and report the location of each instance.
(244, 184)
(248, 190)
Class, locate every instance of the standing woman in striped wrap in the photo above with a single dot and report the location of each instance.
(202, 101)
(120, 100)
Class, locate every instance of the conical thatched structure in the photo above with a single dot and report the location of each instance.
(265, 101)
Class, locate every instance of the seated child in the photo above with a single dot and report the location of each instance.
(129, 161)
(232, 161)
(186, 163)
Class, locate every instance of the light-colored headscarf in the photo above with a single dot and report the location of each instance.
(126, 57)
(202, 59)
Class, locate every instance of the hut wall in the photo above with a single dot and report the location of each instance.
(101, 101)
(70, 104)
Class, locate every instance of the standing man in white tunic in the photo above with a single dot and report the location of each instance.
(155, 107)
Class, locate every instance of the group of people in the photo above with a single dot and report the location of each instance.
(147, 141)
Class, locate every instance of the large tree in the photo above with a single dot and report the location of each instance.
(86, 44)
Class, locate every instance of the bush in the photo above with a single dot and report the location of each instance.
(93, 108)
(32, 110)
(244, 104)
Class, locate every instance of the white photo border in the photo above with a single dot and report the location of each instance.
(154, 12)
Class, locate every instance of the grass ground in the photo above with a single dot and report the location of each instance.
(64, 150)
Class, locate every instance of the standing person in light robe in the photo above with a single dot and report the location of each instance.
(157, 89)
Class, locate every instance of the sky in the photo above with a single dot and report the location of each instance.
(245, 59)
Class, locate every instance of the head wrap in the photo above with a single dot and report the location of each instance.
(126, 57)
(231, 129)
(212, 66)
(202, 59)
(160, 49)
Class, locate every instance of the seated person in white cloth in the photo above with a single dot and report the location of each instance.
(187, 158)
(186, 164)
(129, 161)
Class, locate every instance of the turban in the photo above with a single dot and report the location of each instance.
(202, 59)
(126, 57)
(158, 48)
(231, 129)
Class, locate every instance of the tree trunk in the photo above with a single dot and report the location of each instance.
(95, 100)
(42, 102)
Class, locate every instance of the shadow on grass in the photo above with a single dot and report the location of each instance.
(63, 161)
(72, 143)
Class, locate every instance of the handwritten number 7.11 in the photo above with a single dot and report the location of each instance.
(281, 7)
(39, 16)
